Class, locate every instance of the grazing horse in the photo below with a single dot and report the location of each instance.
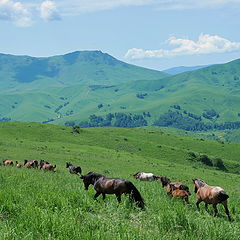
(166, 183)
(18, 165)
(74, 170)
(117, 186)
(144, 176)
(30, 163)
(47, 166)
(181, 192)
(210, 195)
(8, 162)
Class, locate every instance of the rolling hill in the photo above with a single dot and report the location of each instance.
(24, 73)
(202, 99)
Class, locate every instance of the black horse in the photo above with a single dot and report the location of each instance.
(72, 169)
(117, 186)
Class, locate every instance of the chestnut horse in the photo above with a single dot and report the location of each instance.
(166, 183)
(181, 192)
(210, 195)
(30, 163)
(8, 162)
(117, 186)
(47, 166)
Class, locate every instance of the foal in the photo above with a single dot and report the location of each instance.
(181, 192)
(210, 195)
(166, 183)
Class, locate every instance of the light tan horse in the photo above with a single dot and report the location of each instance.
(8, 162)
(210, 195)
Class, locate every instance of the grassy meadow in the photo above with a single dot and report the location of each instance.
(43, 205)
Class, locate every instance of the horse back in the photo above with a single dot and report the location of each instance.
(210, 194)
(110, 185)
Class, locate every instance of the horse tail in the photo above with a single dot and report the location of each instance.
(135, 194)
(222, 196)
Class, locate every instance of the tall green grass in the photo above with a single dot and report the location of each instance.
(43, 205)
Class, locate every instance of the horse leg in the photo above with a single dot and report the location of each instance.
(226, 209)
(186, 200)
(103, 196)
(96, 195)
(215, 210)
(118, 197)
(206, 206)
(197, 204)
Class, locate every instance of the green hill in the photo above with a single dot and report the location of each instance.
(42, 205)
(203, 99)
(22, 73)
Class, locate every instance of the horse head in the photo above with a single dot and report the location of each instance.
(164, 181)
(185, 188)
(198, 183)
(90, 178)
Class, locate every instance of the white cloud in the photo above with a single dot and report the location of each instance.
(49, 11)
(22, 12)
(15, 12)
(204, 45)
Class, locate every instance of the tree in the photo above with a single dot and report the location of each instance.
(218, 162)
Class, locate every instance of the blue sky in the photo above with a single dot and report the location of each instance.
(158, 34)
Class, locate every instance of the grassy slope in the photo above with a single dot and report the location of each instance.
(215, 87)
(39, 205)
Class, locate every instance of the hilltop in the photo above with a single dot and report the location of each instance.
(203, 99)
(24, 73)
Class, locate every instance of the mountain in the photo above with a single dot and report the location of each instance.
(18, 73)
(181, 69)
(207, 98)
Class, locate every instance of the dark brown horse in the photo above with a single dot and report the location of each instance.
(73, 170)
(117, 186)
(210, 195)
(47, 166)
(8, 162)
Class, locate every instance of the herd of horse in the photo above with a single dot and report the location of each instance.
(103, 185)
(31, 164)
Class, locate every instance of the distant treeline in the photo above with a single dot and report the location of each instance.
(191, 123)
(114, 120)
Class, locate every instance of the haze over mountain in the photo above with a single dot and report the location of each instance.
(74, 86)
(85, 67)
(181, 69)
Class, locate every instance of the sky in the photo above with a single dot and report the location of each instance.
(157, 34)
